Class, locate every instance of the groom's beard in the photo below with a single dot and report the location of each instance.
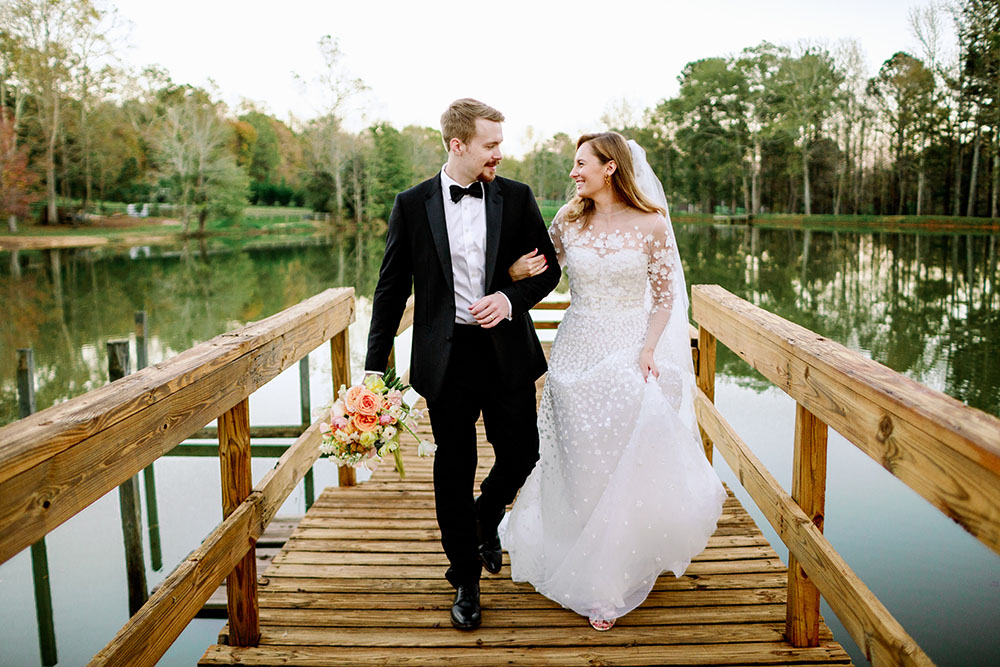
(489, 171)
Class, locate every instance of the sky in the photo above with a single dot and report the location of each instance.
(548, 66)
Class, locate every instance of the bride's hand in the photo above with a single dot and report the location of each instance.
(647, 365)
(528, 265)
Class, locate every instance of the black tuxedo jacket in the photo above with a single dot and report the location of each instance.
(418, 257)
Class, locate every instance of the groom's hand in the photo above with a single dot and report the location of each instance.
(490, 310)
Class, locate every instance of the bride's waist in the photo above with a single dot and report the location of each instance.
(606, 302)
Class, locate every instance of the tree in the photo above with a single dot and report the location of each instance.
(904, 89)
(808, 88)
(759, 66)
(16, 180)
(194, 152)
(389, 169)
(978, 27)
(49, 34)
(710, 128)
(327, 142)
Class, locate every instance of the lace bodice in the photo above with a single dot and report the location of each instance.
(643, 256)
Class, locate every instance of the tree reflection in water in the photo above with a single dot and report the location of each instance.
(923, 304)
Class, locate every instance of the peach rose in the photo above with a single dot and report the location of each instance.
(351, 397)
(368, 402)
(365, 423)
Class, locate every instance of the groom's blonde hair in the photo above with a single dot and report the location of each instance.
(459, 120)
(608, 146)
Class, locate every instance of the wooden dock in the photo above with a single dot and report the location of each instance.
(361, 582)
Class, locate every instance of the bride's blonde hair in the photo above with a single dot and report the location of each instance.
(609, 146)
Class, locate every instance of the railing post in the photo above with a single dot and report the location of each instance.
(706, 377)
(237, 483)
(305, 405)
(148, 476)
(39, 553)
(128, 499)
(809, 491)
(340, 356)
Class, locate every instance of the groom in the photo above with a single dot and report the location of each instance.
(452, 239)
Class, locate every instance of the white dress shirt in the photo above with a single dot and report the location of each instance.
(466, 221)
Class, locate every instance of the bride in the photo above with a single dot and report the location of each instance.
(622, 491)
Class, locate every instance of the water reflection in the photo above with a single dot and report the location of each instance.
(67, 304)
(924, 305)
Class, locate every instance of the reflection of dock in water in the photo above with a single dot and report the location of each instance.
(359, 580)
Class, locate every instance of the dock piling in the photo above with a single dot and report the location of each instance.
(148, 476)
(128, 500)
(39, 553)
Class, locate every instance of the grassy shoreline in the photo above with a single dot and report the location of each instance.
(145, 231)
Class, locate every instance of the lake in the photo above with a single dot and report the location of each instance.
(924, 304)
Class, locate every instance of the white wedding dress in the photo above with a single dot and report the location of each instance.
(622, 491)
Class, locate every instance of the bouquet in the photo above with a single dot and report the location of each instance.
(366, 421)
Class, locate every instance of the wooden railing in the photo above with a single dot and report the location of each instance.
(945, 451)
(56, 462)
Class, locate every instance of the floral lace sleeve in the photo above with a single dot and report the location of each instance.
(556, 234)
(662, 260)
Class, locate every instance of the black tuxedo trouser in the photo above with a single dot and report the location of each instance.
(472, 386)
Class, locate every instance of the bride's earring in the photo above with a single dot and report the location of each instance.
(607, 179)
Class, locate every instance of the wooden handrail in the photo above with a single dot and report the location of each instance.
(946, 451)
(883, 639)
(58, 461)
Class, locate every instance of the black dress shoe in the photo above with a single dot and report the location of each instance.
(491, 553)
(465, 611)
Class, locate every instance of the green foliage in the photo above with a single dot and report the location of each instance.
(389, 170)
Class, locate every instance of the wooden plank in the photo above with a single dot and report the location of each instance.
(756, 653)
(867, 620)
(50, 470)
(809, 491)
(320, 571)
(947, 452)
(321, 556)
(729, 581)
(385, 601)
(237, 482)
(551, 616)
(579, 636)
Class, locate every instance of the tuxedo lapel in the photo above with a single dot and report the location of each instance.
(434, 206)
(494, 217)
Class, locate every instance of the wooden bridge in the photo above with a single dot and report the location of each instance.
(359, 580)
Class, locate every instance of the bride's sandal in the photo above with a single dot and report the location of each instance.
(601, 625)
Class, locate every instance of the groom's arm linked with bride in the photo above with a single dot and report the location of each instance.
(451, 240)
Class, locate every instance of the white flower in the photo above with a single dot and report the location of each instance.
(426, 448)
(371, 463)
(326, 448)
(388, 432)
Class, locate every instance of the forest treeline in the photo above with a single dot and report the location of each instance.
(804, 129)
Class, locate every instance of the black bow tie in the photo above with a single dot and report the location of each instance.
(457, 191)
